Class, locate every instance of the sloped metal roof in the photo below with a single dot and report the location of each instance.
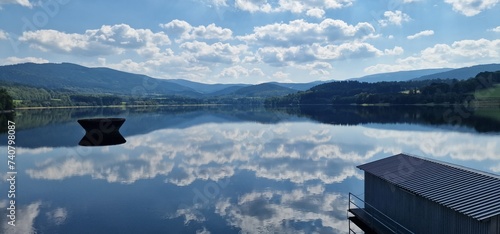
(465, 190)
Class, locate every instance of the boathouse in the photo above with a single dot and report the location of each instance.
(409, 194)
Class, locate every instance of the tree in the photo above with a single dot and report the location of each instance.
(6, 102)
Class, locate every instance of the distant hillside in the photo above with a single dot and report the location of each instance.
(299, 86)
(263, 90)
(400, 75)
(462, 73)
(205, 88)
(72, 77)
(445, 91)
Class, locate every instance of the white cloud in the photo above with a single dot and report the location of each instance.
(215, 53)
(349, 50)
(471, 7)
(497, 29)
(397, 50)
(458, 54)
(280, 56)
(316, 12)
(25, 3)
(239, 71)
(16, 60)
(219, 3)
(394, 17)
(297, 7)
(299, 32)
(185, 31)
(3, 35)
(280, 75)
(421, 34)
(254, 5)
(106, 40)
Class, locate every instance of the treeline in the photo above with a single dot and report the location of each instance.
(27, 96)
(6, 102)
(403, 92)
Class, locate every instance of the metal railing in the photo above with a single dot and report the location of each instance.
(378, 215)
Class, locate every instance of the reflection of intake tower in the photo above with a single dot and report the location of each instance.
(102, 131)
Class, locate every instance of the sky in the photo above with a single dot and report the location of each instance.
(252, 41)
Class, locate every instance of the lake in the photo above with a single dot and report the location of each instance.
(223, 169)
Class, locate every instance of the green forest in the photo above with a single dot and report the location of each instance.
(484, 89)
(481, 88)
(6, 102)
(27, 96)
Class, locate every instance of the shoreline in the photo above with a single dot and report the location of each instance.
(112, 106)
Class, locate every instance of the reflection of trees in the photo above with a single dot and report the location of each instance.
(33, 118)
(4, 117)
(427, 115)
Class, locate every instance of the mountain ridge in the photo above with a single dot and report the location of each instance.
(103, 80)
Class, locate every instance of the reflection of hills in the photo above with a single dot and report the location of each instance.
(426, 115)
(59, 127)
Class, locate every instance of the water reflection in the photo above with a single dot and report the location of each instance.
(219, 171)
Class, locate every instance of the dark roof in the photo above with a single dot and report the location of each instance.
(465, 190)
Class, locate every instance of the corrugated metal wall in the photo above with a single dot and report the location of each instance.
(495, 225)
(417, 213)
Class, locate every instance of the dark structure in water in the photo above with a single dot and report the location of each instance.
(102, 131)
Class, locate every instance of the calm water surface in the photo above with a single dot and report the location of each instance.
(224, 170)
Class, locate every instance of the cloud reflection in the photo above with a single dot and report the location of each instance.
(459, 146)
(57, 216)
(298, 152)
(25, 218)
(297, 211)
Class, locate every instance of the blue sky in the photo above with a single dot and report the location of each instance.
(252, 41)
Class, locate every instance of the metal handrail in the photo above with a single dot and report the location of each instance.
(384, 215)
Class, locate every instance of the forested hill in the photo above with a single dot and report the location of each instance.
(403, 92)
(6, 102)
(72, 77)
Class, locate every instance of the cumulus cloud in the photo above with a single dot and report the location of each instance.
(316, 12)
(280, 75)
(214, 53)
(497, 29)
(106, 40)
(16, 60)
(397, 50)
(269, 6)
(471, 8)
(239, 72)
(280, 56)
(299, 32)
(25, 3)
(253, 5)
(185, 31)
(394, 18)
(458, 54)
(424, 33)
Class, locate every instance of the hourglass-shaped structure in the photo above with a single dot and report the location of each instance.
(101, 131)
